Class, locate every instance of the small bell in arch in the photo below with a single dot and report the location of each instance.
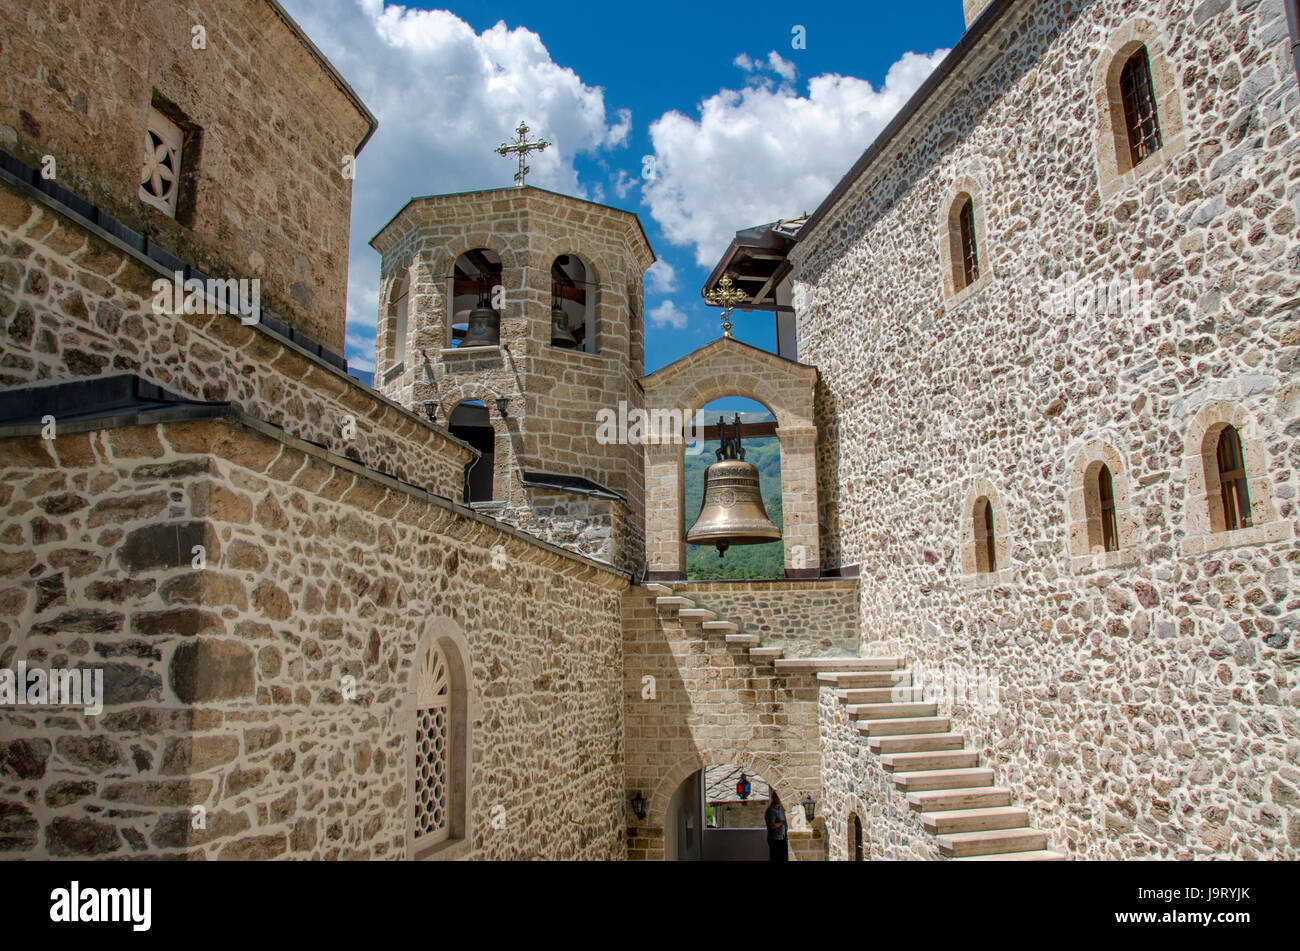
(484, 328)
(732, 512)
(560, 335)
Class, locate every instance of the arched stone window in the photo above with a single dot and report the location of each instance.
(400, 311)
(573, 292)
(963, 239)
(986, 553)
(1102, 530)
(1229, 495)
(857, 848)
(438, 759)
(1139, 107)
(985, 548)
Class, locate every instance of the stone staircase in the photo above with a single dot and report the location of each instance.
(958, 802)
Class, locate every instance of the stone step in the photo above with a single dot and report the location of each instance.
(894, 694)
(943, 800)
(674, 601)
(697, 614)
(944, 779)
(766, 653)
(841, 663)
(929, 760)
(853, 679)
(894, 727)
(1035, 855)
(975, 820)
(916, 742)
(655, 588)
(961, 844)
(891, 711)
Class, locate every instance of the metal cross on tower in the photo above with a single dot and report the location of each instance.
(523, 147)
(726, 297)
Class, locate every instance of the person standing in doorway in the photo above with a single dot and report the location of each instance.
(778, 846)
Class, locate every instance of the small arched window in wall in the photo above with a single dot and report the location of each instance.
(986, 558)
(573, 295)
(1109, 534)
(855, 838)
(433, 748)
(963, 238)
(399, 312)
(969, 249)
(1141, 113)
(1234, 490)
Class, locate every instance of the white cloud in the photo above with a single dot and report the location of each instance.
(445, 97)
(667, 315)
(782, 67)
(760, 154)
(661, 278)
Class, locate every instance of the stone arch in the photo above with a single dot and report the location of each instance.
(1203, 510)
(966, 187)
(450, 640)
(1083, 506)
(597, 306)
(504, 485)
(727, 367)
(1114, 162)
(512, 278)
(983, 492)
(656, 812)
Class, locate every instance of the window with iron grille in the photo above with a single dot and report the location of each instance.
(1106, 496)
(1232, 481)
(969, 251)
(1140, 114)
(432, 748)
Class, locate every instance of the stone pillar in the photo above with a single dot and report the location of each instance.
(665, 483)
(799, 501)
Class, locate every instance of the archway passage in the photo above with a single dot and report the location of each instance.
(469, 421)
(717, 815)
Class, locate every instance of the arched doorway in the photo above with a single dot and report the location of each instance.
(470, 421)
(717, 815)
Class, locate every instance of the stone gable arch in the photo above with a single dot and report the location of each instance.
(727, 367)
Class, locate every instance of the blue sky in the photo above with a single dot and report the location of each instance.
(735, 125)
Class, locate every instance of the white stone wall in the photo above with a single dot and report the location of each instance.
(1148, 703)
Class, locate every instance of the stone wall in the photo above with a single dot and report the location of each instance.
(805, 618)
(269, 196)
(1148, 702)
(227, 686)
(710, 706)
(72, 305)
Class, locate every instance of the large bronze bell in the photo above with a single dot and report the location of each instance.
(484, 328)
(560, 336)
(732, 512)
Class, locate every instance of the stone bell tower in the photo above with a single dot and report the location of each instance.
(512, 317)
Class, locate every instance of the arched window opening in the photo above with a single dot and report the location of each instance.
(855, 838)
(573, 294)
(1141, 116)
(1233, 487)
(433, 748)
(969, 251)
(470, 421)
(963, 242)
(986, 559)
(1106, 505)
(399, 312)
(475, 276)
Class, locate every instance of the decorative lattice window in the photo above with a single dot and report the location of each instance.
(432, 748)
(160, 169)
(970, 258)
(1140, 114)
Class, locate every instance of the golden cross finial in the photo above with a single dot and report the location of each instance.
(726, 297)
(523, 147)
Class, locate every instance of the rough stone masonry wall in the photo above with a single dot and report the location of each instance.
(270, 199)
(804, 618)
(1148, 709)
(711, 706)
(73, 306)
(225, 684)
